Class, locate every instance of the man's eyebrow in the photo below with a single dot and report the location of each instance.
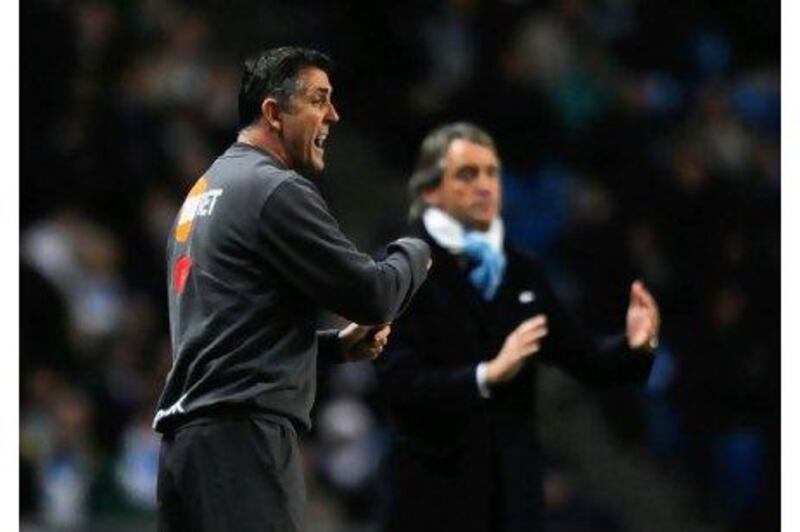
(477, 167)
(468, 166)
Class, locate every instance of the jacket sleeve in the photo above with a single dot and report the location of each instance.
(409, 380)
(302, 241)
(591, 360)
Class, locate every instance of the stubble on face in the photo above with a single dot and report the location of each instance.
(307, 121)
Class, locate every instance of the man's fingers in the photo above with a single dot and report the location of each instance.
(383, 333)
(646, 299)
(531, 335)
(383, 336)
(530, 349)
(375, 352)
(537, 321)
(640, 294)
(649, 299)
(379, 331)
(637, 292)
(528, 338)
(534, 325)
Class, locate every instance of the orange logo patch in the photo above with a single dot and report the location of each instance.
(199, 202)
(188, 210)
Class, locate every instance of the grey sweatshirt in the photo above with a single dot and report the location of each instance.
(253, 256)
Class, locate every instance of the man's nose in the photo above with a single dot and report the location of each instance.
(333, 115)
(483, 184)
(483, 192)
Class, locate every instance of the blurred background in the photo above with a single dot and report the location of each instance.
(639, 139)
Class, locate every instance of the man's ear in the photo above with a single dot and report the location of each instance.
(430, 196)
(270, 112)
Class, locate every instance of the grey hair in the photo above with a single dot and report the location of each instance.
(430, 166)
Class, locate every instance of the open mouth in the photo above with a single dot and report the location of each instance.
(319, 140)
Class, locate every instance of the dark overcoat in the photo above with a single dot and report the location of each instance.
(457, 461)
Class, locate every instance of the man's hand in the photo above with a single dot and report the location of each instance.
(523, 342)
(363, 342)
(643, 320)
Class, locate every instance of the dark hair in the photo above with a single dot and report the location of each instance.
(430, 165)
(273, 73)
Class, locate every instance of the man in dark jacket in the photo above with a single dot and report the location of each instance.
(253, 256)
(459, 374)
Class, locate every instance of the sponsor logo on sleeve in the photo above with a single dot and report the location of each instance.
(200, 202)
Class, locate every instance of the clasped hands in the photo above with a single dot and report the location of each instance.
(363, 342)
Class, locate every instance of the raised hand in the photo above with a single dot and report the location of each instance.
(643, 320)
(520, 345)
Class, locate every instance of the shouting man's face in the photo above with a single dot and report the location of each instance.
(307, 122)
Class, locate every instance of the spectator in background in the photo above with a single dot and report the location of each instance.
(458, 376)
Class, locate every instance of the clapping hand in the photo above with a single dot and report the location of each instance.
(643, 320)
(520, 345)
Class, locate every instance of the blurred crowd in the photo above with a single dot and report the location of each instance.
(639, 139)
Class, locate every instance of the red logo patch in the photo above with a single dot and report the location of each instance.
(181, 272)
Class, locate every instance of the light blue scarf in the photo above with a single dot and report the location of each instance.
(490, 265)
(483, 249)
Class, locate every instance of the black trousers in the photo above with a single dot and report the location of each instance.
(231, 474)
